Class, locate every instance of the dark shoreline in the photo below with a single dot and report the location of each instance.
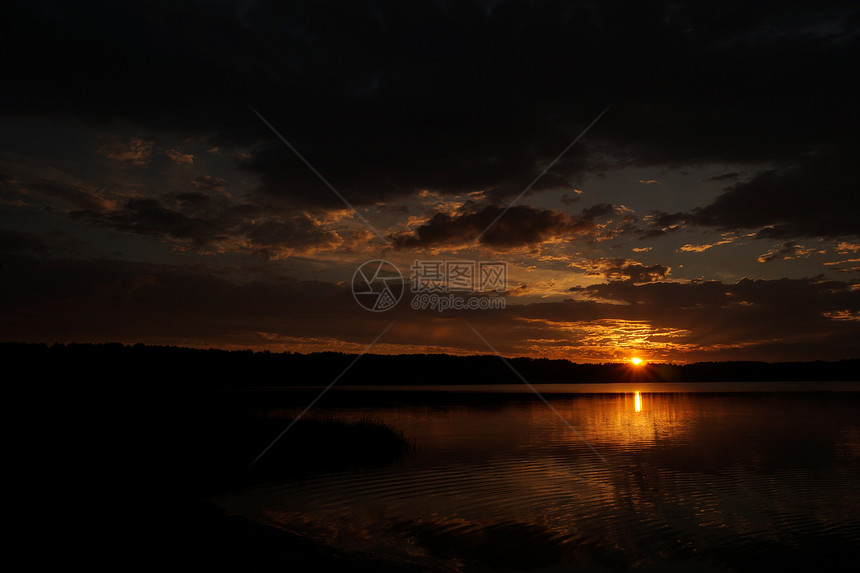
(168, 366)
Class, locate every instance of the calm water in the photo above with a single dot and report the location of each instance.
(680, 481)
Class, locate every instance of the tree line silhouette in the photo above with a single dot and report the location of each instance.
(116, 364)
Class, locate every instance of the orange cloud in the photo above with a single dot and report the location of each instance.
(179, 157)
(136, 151)
(788, 250)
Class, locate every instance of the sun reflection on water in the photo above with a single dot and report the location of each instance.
(637, 404)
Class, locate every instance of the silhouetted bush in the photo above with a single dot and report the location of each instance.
(222, 448)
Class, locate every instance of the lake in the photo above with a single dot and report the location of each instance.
(650, 477)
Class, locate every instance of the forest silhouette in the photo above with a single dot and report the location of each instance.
(156, 366)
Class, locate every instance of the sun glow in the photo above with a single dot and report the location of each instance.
(636, 361)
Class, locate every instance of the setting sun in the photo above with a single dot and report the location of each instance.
(636, 361)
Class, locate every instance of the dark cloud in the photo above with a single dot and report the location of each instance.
(296, 232)
(568, 200)
(284, 179)
(194, 201)
(202, 221)
(653, 233)
(787, 250)
(208, 182)
(74, 300)
(72, 196)
(597, 211)
(616, 269)
(520, 226)
(14, 242)
(150, 217)
(815, 196)
(386, 99)
(725, 176)
(136, 151)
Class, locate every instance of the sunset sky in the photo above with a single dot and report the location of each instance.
(711, 213)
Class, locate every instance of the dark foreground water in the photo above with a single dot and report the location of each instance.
(678, 481)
